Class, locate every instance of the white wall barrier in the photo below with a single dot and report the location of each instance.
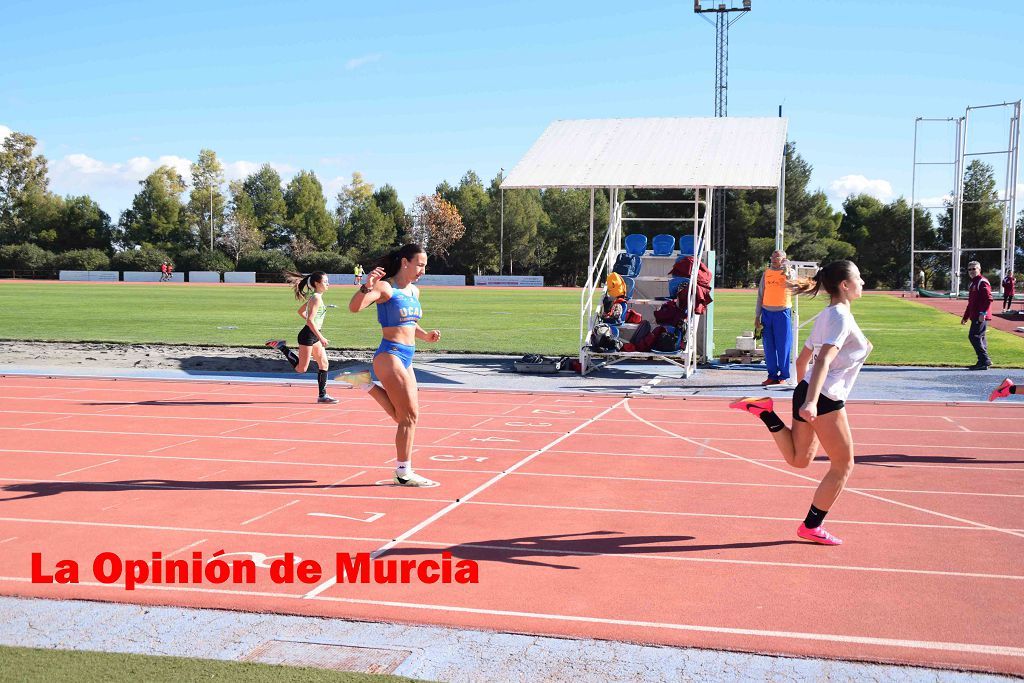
(508, 280)
(203, 276)
(443, 280)
(150, 276)
(341, 278)
(89, 275)
(240, 276)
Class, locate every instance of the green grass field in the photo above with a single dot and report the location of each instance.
(473, 319)
(45, 666)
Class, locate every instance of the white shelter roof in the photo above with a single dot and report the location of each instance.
(732, 152)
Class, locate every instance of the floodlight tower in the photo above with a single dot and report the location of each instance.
(721, 23)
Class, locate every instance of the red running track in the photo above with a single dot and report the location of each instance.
(650, 520)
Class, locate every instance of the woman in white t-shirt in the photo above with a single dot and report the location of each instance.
(826, 370)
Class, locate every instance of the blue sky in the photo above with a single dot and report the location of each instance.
(413, 93)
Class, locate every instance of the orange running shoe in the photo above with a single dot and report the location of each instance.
(1002, 391)
(754, 406)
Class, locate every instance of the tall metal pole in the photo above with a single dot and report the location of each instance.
(721, 24)
(913, 210)
(501, 239)
(211, 216)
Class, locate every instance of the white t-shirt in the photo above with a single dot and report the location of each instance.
(837, 327)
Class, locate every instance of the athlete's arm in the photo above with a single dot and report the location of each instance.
(802, 361)
(432, 336)
(312, 307)
(374, 291)
(809, 410)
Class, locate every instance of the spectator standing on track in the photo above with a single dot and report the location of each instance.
(774, 311)
(357, 273)
(979, 301)
(312, 343)
(163, 272)
(1009, 282)
(833, 355)
(391, 286)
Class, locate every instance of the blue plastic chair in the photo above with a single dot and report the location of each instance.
(636, 244)
(662, 245)
(686, 245)
(675, 283)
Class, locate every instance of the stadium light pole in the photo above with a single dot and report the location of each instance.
(501, 238)
(721, 23)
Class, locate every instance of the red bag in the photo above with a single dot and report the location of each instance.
(633, 316)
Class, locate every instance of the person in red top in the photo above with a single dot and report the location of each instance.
(1008, 283)
(979, 300)
(163, 271)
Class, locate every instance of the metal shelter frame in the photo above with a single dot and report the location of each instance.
(1007, 247)
(700, 155)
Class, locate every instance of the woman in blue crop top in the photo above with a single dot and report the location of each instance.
(390, 286)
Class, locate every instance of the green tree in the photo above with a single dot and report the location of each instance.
(389, 204)
(525, 224)
(307, 211)
(146, 258)
(880, 233)
(206, 201)
(477, 250)
(268, 206)
(981, 219)
(369, 233)
(82, 259)
(240, 234)
(568, 231)
(155, 216)
(83, 225)
(351, 197)
(22, 178)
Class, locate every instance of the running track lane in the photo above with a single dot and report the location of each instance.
(652, 520)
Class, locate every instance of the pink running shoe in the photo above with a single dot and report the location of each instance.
(754, 406)
(275, 343)
(818, 535)
(1002, 391)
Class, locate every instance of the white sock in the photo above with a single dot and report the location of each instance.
(403, 469)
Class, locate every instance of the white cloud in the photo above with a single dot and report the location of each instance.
(80, 172)
(236, 170)
(933, 201)
(4, 132)
(858, 184)
(357, 62)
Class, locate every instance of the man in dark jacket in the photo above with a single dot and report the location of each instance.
(979, 300)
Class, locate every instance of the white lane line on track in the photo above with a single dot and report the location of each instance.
(184, 548)
(375, 423)
(342, 481)
(164, 448)
(459, 501)
(269, 512)
(82, 469)
(856, 491)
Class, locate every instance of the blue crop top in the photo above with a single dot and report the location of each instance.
(400, 310)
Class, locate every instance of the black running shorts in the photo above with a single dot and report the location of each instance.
(825, 404)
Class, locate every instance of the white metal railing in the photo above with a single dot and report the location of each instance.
(594, 275)
(699, 243)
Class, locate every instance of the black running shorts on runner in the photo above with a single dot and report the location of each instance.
(307, 338)
(825, 404)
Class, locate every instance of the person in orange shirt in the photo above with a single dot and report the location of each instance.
(774, 312)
